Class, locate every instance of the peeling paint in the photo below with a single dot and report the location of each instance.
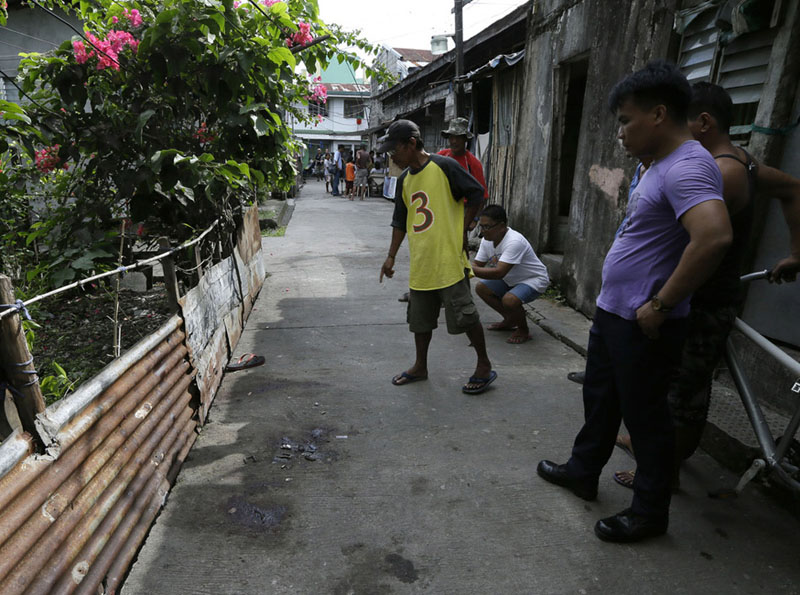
(142, 412)
(79, 571)
(607, 180)
(53, 507)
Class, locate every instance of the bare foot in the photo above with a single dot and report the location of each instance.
(516, 338)
(501, 326)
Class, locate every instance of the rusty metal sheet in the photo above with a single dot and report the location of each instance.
(65, 507)
(61, 414)
(111, 506)
(39, 476)
(87, 582)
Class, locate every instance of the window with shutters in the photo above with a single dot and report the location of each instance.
(739, 65)
(353, 108)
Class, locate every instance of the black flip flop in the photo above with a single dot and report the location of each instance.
(484, 383)
(252, 361)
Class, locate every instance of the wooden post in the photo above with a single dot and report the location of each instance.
(170, 278)
(13, 353)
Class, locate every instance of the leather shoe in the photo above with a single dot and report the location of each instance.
(582, 487)
(626, 527)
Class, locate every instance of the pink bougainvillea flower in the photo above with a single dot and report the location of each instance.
(303, 35)
(47, 159)
(134, 17)
(79, 49)
(269, 3)
(114, 20)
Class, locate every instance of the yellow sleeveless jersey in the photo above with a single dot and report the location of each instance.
(429, 206)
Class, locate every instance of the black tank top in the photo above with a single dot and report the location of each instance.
(724, 288)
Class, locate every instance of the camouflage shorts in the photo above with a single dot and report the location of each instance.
(690, 390)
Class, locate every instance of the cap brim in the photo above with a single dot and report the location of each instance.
(386, 144)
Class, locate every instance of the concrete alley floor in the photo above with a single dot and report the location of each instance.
(315, 475)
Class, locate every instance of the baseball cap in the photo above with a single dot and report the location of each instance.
(398, 132)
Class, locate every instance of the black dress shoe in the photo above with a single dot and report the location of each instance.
(578, 377)
(582, 487)
(626, 526)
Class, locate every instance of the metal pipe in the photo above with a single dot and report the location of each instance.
(13, 451)
(62, 522)
(768, 346)
(757, 420)
(89, 454)
(109, 509)
(59, 415)
(101, 553)
(66, 497)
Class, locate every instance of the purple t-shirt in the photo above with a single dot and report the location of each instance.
(649, 246)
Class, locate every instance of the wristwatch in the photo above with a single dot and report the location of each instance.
(658, 305)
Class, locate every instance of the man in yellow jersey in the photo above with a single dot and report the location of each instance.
(429, 206)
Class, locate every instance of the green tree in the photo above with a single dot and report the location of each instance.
(171, 113)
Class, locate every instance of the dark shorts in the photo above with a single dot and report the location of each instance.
(459, 309)
(690, 389)
(348, 185)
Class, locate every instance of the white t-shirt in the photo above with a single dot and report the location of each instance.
(515, 249)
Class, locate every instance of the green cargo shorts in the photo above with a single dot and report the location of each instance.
(459, 309)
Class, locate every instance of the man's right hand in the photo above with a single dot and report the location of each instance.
(785, 270)
(387, 269)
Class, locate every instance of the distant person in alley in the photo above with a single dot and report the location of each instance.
(434, 199)
(676, 234)
(457, 135)
(509, 272)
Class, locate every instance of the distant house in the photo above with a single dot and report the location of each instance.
(342, 120)
(400, 62)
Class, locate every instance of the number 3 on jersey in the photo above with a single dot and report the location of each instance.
(421, 209)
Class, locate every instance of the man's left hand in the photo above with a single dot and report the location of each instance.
(649, 320)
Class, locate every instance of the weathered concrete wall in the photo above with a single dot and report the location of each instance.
(618, 36)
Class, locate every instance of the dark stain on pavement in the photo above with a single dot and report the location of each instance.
(402, 568)
(371, 567)
(244, 513)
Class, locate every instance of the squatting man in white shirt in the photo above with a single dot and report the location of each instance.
(509, 273)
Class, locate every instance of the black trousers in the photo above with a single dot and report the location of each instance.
(627, 378)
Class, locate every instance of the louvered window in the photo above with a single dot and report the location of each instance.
(739, 66)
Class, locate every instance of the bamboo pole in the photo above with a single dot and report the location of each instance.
(170, 278)
(17, 363)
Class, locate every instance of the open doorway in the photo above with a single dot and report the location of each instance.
(571, 80)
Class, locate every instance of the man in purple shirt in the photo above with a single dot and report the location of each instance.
(676, 234)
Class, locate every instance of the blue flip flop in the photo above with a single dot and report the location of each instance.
(405, 378)
(484, 383)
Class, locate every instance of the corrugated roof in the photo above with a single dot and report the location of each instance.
(416, 56)
(352, 88)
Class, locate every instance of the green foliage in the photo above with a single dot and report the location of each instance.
(57, 385)
(175, 133)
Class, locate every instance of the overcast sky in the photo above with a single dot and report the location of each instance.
(411, 23)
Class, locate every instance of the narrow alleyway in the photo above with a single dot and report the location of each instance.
(316, 475)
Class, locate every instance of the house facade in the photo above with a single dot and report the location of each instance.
(342, 119)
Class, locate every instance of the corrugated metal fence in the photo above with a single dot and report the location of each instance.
(72, 520)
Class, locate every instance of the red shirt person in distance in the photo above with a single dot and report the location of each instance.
(457, 135)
